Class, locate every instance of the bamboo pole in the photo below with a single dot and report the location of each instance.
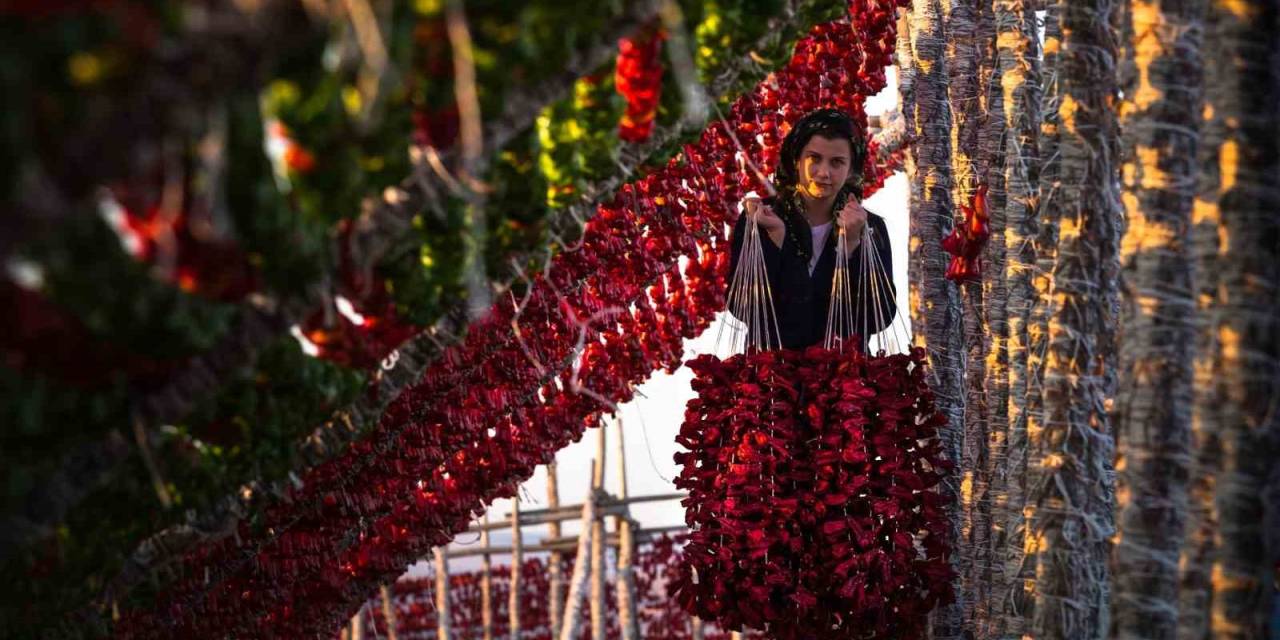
(626, 585)
(571, 628)
(486, 585)
(389, 612)
(517, 558)
(442, 593)
(598, 610)
(555, 580)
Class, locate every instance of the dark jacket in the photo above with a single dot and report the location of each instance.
(800, 300)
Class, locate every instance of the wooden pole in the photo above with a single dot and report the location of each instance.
(597, 468)
(598, 610)
(695, 626)
(939, 330)
(626, 585)
(571, 628)
(1153, 423)
(1070, 492)
(1234, 394)
(517, 558)
(486, 585)
(1020, 80)
(357, 625)
(389, 611)
(556, 609)
(442, 593)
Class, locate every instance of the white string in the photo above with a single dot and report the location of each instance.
(899, 333)
(750, 298)
(843, 318)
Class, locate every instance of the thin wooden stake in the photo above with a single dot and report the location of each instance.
(556, 609)
(598, 610)
(389, 612)
(517, 558)
(442, 593)
(486, 586)
(571, 628)
(626, 585)
(357, 625)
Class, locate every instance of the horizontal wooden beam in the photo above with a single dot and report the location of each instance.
(608, 502)
(611, 501)
(610, 507)
(563, 543)
(612, 538)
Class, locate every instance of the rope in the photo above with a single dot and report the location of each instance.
(750, 298)
(843, 319)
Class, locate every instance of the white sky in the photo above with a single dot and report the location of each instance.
(652, 420)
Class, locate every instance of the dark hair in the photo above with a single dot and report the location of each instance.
(832, 124)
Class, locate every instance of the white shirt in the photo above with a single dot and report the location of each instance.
(819, 234)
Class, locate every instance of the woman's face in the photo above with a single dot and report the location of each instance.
(823, 167)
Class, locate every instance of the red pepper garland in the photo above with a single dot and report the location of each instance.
(362, 342)
(744, 441)
(502, 402)
(807, 527)
(876, 174)
(414, 604)
(659, 618)
(197, 263)
(638, 77)
(875, 462)
(966, 240)
(805, 515)
(40, 337)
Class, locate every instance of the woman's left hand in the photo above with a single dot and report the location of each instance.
(852, 219)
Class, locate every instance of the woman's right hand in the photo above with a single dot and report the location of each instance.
(764, 215)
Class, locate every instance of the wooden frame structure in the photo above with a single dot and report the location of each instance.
(587, 585)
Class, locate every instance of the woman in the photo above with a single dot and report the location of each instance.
(819, 185)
